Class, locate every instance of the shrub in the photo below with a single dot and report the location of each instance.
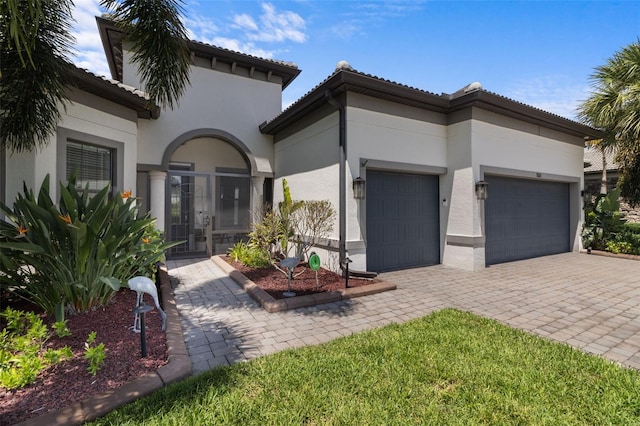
(313, 222)
(76, 255)
(22, 356)
(249, 256)
(602, 220)
(95, 354)
(627, 240)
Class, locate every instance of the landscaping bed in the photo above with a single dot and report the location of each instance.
(274, 282)
(60, 385)
(267, 285)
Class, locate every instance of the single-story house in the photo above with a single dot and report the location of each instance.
(468, 179)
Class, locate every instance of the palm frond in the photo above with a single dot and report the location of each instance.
(33, 90)
(159, 43)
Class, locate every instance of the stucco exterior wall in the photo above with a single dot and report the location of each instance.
(386, 134)
(532, 149)
(308, 160)
(32, 167)
(461, 219)
(505, 146)
(216, 100)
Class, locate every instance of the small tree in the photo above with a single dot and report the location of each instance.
(312, 223)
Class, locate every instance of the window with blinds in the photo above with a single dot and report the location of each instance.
(91, 164)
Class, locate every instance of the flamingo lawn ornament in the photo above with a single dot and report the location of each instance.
(289, 263)
(142, 285)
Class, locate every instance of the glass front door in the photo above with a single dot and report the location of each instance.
(190, 216)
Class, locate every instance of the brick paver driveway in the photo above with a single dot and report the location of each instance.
(587, 301)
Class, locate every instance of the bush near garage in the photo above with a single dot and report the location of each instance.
(606, 229)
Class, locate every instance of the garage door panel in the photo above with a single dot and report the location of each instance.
(525, 219)
(402, 221)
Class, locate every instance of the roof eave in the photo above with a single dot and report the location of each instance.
(106, 29)
(111, 36)
(109, 91)
(348, 81)
(510, 108)
(287, 72)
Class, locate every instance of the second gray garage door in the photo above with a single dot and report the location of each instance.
(403, 223)
(525, 219)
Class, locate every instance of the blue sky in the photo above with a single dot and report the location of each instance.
(537, 52)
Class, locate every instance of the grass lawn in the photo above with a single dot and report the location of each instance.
(447, 368)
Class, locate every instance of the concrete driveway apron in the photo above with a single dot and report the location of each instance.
(587, 301)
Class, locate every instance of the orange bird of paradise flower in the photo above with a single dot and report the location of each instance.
(66, 218)
(126, 194)
(22, 230)
(146, 240)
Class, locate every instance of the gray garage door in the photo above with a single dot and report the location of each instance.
(525, 219)
(402, 221)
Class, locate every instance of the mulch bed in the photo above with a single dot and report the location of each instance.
(303, 283)
(60, 385)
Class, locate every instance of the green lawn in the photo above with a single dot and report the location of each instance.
(447, 368)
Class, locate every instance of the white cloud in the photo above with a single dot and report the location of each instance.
(360, 17)
(89, 53)
(274, 26)
(200, 28)
(243, 34)
(238, 46)
(557, 94)
(246, 22)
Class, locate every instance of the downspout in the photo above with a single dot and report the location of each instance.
(342, 143)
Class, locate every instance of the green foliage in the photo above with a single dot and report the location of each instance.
(250, 256)
(286, 210)
(22, 356)
(36, 40)
(606, 229)
(267, 233)
(613, 108)
(95, 354)
(617, 247)
(626, 240)
(36, 37)
(628, 159)
(313, 222)
(77, 254)
(602, 218)
(159, 44)
(61, 329)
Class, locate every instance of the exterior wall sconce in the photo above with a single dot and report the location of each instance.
(482, 190)
(359, 188)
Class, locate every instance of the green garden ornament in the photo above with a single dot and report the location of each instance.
(314, 264)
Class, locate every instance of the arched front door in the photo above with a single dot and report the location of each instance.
(209, 197)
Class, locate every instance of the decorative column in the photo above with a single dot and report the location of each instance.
(157, 197)
(257, 190)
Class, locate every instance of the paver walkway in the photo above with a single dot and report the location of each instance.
(590, 302)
